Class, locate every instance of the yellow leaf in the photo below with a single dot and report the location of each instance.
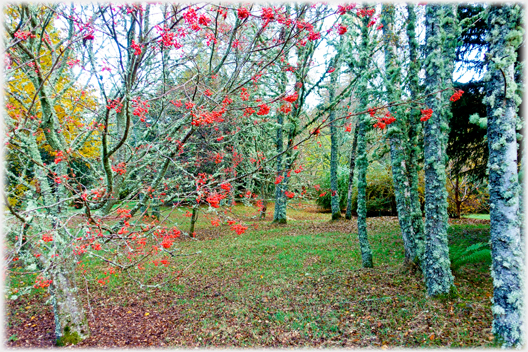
(147, 314)
(129, 311)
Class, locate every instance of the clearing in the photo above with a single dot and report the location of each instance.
(294, 285)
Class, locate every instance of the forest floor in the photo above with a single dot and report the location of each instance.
(294, 285)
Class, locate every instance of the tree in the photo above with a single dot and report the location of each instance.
(502, 101)
(414, 146)
(159, 138)
(362, 162)
(335, 66)
(440, 50)
(352, 166)
(397, 132)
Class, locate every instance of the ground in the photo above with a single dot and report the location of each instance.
(294, 285)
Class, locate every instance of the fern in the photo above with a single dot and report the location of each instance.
(476, 253)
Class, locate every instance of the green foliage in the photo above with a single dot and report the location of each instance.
(380, 191)
(342, 186)
(476, 253)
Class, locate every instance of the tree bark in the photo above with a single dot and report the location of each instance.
(194, 217)
(335, 197)
(362, 160)
(397, 136)
(348, 215)
(279, 215)
(71, 324)
(457, 196)
(501, 99)
(414, 145)
(441, 43)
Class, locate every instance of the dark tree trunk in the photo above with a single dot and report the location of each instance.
(194, 217)
(458, 203)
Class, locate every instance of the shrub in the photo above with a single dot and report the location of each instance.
(342, 186)
(380, 192)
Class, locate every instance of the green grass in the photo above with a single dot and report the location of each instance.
(477, 216)
(302, 285)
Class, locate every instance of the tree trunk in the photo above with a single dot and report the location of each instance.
(439, 72)
(336, 208)
(194, 217)
(264, 196)
(279, 215)
(71, 324)
(348, 215)
(362, 161)
(414, 146)
(507, 253)
(397, 136)
(457, 197)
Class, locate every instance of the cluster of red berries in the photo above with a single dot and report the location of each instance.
(426, 114)
(458, 93)
(384, 121)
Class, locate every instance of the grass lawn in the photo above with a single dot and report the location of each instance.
(294, 285)
(477, 216)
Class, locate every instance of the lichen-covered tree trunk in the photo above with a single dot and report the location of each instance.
(504, 23)
(348, 215)
(362, 165)
(336, 209)
(279, 214)
(362, 160)
(397, 134)
(264, 197)
(71, 324)
(440, 48)
(415, 129)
